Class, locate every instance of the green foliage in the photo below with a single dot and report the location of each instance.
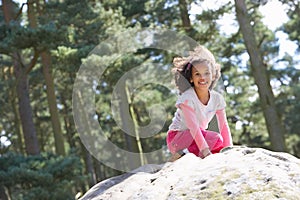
(292, 27)
(288, 103)
(13, 37)
(70, 29)
(45, 176)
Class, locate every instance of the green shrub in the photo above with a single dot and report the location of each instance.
(44, 176)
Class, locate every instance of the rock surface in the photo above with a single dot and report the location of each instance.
(238, 173)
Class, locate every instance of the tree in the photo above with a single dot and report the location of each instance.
(292, 26)
(262, 79)
(289, 78)
(46, 65)
(44, 176)
(185, 18)
(21, 71)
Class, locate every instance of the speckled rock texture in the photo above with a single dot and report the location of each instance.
(239, 173)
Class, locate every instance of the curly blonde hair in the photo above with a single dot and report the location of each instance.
(183, 67)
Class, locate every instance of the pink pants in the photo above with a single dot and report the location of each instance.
(179, 140)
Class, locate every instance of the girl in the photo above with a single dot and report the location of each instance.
(195, 77)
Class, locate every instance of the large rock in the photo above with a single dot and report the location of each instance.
(238, 173)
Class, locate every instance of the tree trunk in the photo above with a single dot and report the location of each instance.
(86, 130)
(267, 99)
(127, 120)
(99, 170)
(18, 126)
(89, 167)
(184, 15)
(58, 136)
(3, 193)
(70, 134)
(137, 134)
(8, 74)
(31, 13)
(25, 110)
(46, 63)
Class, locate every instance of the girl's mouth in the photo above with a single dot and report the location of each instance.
(203, 82)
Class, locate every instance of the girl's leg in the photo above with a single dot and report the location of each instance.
(179, 140)
(214, 140)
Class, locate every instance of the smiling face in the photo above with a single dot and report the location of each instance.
(201, 76)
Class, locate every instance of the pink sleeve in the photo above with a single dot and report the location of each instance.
(193, 125)
(224, 128)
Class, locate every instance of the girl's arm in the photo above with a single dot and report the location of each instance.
(224, 128)
(193, 125)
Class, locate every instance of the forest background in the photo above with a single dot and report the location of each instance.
(44, 43)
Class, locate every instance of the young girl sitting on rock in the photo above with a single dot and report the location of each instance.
(195, 77)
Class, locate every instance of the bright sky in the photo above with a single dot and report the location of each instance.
(274, 16)
(273, 11)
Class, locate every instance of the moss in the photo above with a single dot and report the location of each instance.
(219, 191)
(232, 184)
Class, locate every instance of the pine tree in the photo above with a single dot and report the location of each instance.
(262, 80)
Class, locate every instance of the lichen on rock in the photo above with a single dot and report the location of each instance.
(237, 173)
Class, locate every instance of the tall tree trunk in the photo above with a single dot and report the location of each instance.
(128, 125)
(25, 110)
(3, 193)
(267, 99)
(46, 63)
(86, 130)
(89, 166)
(184, 15)
(67, 123)
(58, 136)
(99, 170)
(8, 74)
(137, 134)
(18, 127)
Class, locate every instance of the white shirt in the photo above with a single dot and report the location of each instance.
(204, 113)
